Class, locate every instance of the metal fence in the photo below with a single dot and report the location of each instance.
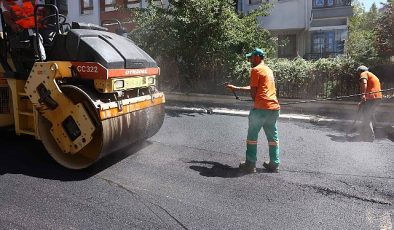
(326, 85)
(317, 87)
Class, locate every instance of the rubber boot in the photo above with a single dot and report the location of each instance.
(270, 166)
(248, 166)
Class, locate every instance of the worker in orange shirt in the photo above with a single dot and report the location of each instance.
(19, 14)
(370, 99)
(19, 17)
(264, 114)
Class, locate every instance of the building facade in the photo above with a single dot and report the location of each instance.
(308, 28)
(98, 11)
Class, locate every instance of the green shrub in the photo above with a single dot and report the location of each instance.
(299, 78)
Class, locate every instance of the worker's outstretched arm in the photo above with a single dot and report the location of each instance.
(363, 88)
(252, 90)
(238, 88)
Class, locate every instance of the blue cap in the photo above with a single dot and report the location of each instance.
(257, 52)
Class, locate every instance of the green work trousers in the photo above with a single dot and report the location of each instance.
(266, 119)
(368, 110)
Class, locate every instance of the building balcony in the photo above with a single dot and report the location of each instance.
(286, 15)
(329, 22)
(317, 4)
(341, 9)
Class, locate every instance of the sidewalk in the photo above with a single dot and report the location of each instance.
(338, 113)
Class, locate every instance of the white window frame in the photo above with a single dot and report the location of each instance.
(86, 10)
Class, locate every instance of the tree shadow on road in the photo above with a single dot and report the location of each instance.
(215, 169)
(27, 156)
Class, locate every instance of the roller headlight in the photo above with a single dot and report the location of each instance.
(118, 84)
(151, 81)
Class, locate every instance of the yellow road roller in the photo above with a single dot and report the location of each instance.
(83, 91)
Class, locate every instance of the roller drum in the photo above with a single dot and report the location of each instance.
(110, 135)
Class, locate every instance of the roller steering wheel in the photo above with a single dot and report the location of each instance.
(50, 27)
(45, 21)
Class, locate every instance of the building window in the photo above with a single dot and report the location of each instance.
(343, 2)
(110, 5)
(340, 38)
(287, 46)
(255, 2)
(318, 3)
(158, 3)
(137, 3)
(328, 43)
(319, 42)
(330, 3)
(86, 6)
(133, 4)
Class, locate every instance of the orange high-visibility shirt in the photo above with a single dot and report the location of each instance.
(22, 11)
(373, 85)
(262, 77)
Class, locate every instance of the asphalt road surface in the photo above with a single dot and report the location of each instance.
(186, 177)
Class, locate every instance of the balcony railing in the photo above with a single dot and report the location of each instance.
(315, 56)
(330, 3)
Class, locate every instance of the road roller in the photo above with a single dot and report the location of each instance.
(81, 90)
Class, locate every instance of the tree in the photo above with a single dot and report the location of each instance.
(361, 44)
(204, 37)
(385, 31)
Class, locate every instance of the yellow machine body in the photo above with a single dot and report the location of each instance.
(6, 113)
(77, 126)
(113, 85)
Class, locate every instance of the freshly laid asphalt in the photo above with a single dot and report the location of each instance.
(186, 177)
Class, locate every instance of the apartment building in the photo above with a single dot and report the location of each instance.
(309, 28)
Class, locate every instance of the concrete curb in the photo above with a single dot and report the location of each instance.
(340, 112)
(342, 109)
